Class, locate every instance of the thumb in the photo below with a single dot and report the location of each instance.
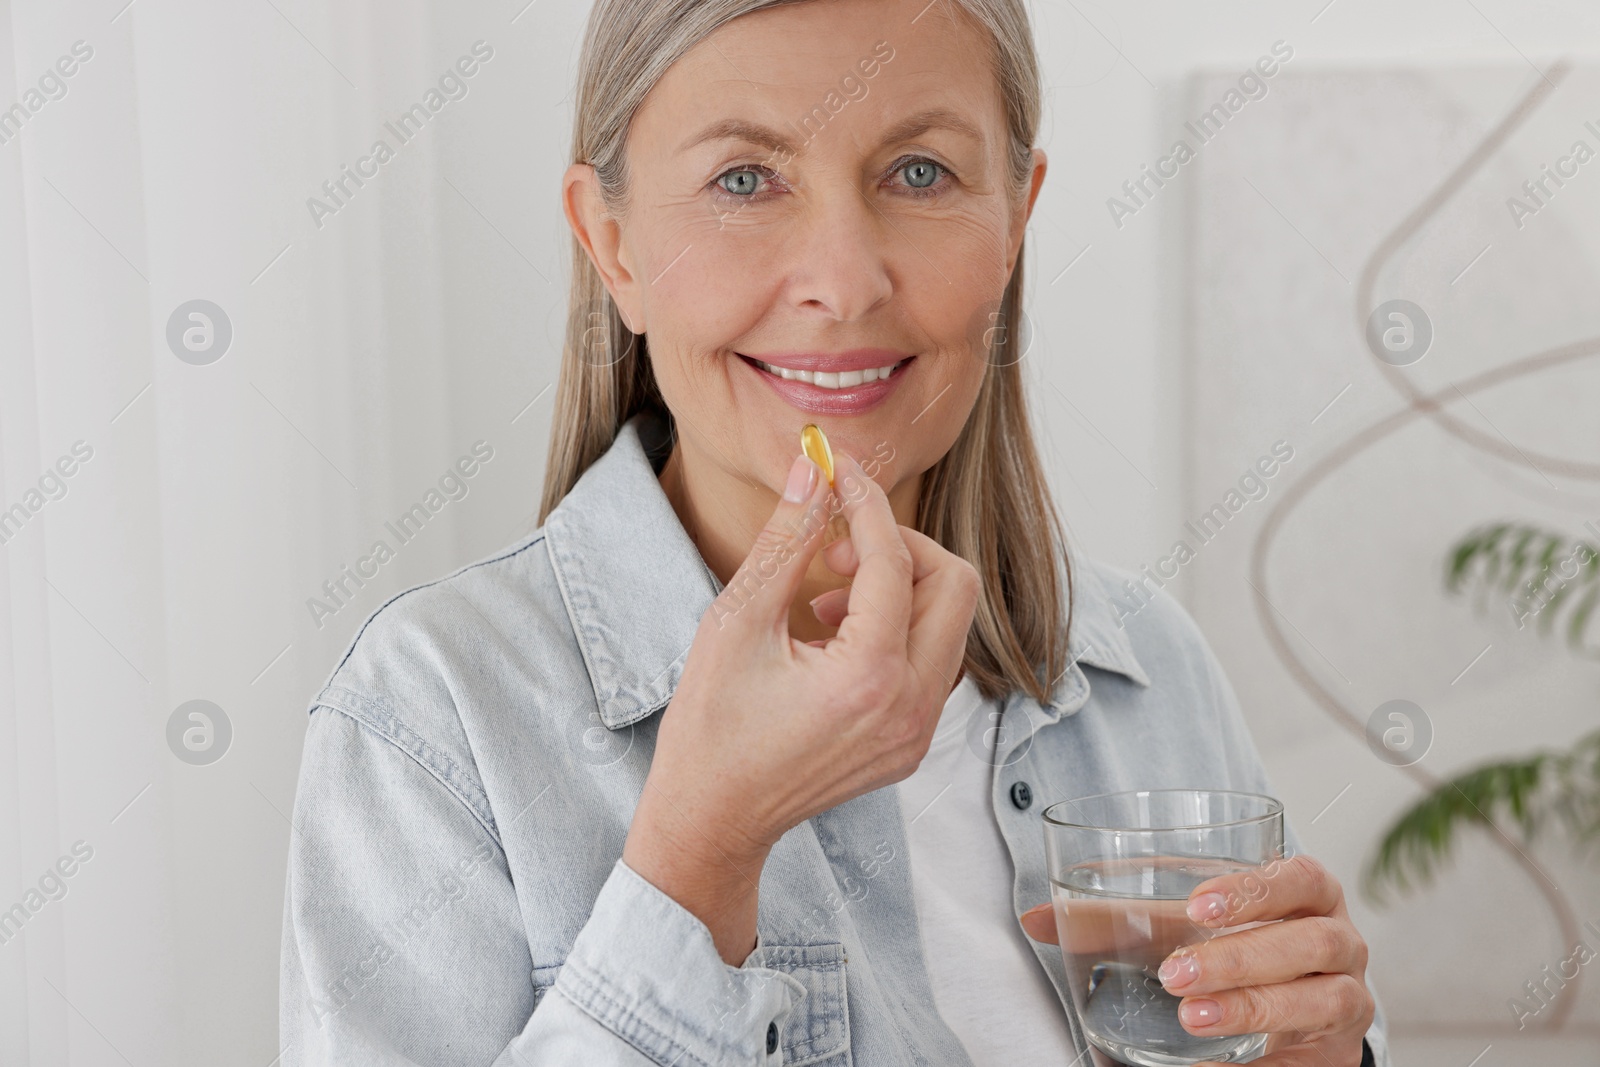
(765, 584)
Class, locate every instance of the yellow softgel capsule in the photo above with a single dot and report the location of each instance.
(814, 443)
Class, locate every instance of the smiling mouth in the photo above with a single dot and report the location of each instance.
(846, 379)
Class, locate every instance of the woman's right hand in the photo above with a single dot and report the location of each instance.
(765, 731)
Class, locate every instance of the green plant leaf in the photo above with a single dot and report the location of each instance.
(1522, 566)
(1579, 621)
(1529, 794)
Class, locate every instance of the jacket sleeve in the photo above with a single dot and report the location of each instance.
(404, 941)
(1250, 773)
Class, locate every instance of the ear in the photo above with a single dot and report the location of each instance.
(600, 234)
(1019, 224)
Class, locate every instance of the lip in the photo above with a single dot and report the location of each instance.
(819, 401)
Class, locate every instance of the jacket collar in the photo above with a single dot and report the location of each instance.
(635, 587)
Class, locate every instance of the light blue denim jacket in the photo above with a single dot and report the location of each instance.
(455, 890)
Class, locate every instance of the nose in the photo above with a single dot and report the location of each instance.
(842, 266)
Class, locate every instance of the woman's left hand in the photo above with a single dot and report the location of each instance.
(1301, 979)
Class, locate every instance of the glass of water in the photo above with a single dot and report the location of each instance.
(1121, 868)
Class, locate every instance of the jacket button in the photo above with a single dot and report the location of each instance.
(772, 1038)
(1021, 795)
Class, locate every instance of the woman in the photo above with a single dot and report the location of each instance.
(669, 781)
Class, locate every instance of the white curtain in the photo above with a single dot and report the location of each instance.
(374, 341)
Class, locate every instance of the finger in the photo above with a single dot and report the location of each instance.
(1265, 955)
(762, 589)
(1040, 924)
(1316, 1005)
(880, 595)
(840, 556)
(1286, 888)
(830, 607)
(926, 556)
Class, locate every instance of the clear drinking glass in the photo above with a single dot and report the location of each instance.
(1121, 867)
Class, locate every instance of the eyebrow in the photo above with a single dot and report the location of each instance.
(938, 118)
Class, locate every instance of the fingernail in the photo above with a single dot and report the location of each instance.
(1208, 906)
(1178, 970)
(1193, 1012)
(802, 478)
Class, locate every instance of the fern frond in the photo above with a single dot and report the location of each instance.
(1575, 800)
(1517, 563)
(1528, 794)
(1477, 545)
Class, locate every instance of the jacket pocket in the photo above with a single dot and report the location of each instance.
(817, 1031)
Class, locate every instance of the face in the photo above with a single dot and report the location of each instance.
(819, 221)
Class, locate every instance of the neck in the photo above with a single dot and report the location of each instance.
(723, 511)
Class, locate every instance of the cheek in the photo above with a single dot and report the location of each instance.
(702, 292)
(953, 296)
(956, 265)
(705, 285)
(975, 230)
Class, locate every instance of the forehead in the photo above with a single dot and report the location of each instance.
(776, 66)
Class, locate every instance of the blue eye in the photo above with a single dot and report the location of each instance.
(922, 177)
(740, 182)
(745, 182)
(921, 173)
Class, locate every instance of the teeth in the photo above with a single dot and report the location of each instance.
(830, 379)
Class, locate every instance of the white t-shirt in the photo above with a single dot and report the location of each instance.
(987, 983)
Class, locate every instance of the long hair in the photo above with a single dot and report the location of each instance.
(986, 500)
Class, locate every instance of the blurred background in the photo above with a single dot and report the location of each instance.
(223, 380)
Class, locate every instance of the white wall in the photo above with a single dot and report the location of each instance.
(1226, 315)
(371, 351)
